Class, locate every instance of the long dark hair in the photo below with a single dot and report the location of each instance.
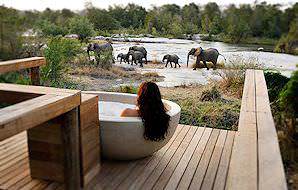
(152, 111)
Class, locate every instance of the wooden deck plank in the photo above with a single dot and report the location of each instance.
(222, 172)
(166, 174)
(195, 159)
(179, 170)
(150, 168)
(203, 164)
(244, 174)
(271, 171)
(154, 176)
(214, 162)
(125, 184)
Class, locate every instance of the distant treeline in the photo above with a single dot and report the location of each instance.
(232, 24)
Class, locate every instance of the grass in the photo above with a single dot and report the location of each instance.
(205, 106)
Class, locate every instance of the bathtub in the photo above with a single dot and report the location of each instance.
(122, 137)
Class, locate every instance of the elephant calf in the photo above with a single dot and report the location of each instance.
(123, 57)
(171, 58)
(137, 56)
(140, 49)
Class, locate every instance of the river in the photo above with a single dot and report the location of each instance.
(162, 46)
(158, 47)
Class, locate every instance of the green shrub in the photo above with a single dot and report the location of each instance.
(128, 89)
(212, 94)
(275, 83)
(288, 97)
(19, 77)
(59, 51)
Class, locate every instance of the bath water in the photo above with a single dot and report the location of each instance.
(112, 108)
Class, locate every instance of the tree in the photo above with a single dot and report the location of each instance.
(211, 14)
(102, 19)
(82, 27)
(11, 29)
(50, 29)
(191, 18)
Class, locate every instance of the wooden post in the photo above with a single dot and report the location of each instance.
(54, 150)
(70, 136)
(34, 75)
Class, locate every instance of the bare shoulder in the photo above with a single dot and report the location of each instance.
(129, 113)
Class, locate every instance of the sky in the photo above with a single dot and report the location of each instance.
(79, 4)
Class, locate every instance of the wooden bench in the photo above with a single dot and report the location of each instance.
(256, 160)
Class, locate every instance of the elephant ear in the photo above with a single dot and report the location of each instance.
(198, 51)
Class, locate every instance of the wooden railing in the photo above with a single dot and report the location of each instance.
(256, 160)
(56, 121)
(28, 63)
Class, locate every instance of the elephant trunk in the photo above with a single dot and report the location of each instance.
(187, 59)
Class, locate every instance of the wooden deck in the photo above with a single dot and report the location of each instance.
(195, 157)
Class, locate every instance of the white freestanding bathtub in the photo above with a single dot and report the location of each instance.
(122, 137)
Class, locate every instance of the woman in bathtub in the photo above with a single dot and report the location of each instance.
(152, 111)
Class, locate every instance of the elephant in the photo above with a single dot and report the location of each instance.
(207, 55)
(141, 49)
(171, 58)
(98, 49)
(136, 56)
(123, 57)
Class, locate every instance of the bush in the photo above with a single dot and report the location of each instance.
(19, 77)
(58, 52)
(288, 97)
(275, 83)
(212, 94)
(128, 89)
(233, 75)
(81, 26)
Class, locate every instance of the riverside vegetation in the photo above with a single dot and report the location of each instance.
(259, 23)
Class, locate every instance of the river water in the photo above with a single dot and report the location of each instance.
(161, 46)
(181, 47)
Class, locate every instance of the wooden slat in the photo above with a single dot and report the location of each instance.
(125, 184)
(214, 162)
(151, 180)
(19, 64)
(202, 167)
(195, 159)
(166, 174)
(221, 176)
(243, 172)
(39, 90)
(271, 171)
(179, 170)
(22, 116)
(151, 167)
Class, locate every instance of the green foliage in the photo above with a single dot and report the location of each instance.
(212, 94)
(215, 114)
(105, 60)
(58, 52)
(275, 83)
(289, 43)
(128, 89)
(81, 26)
(288, 97)
(50, 29)
(11, 28)
(20, 77)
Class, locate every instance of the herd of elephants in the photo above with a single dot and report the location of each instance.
(138, 54)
